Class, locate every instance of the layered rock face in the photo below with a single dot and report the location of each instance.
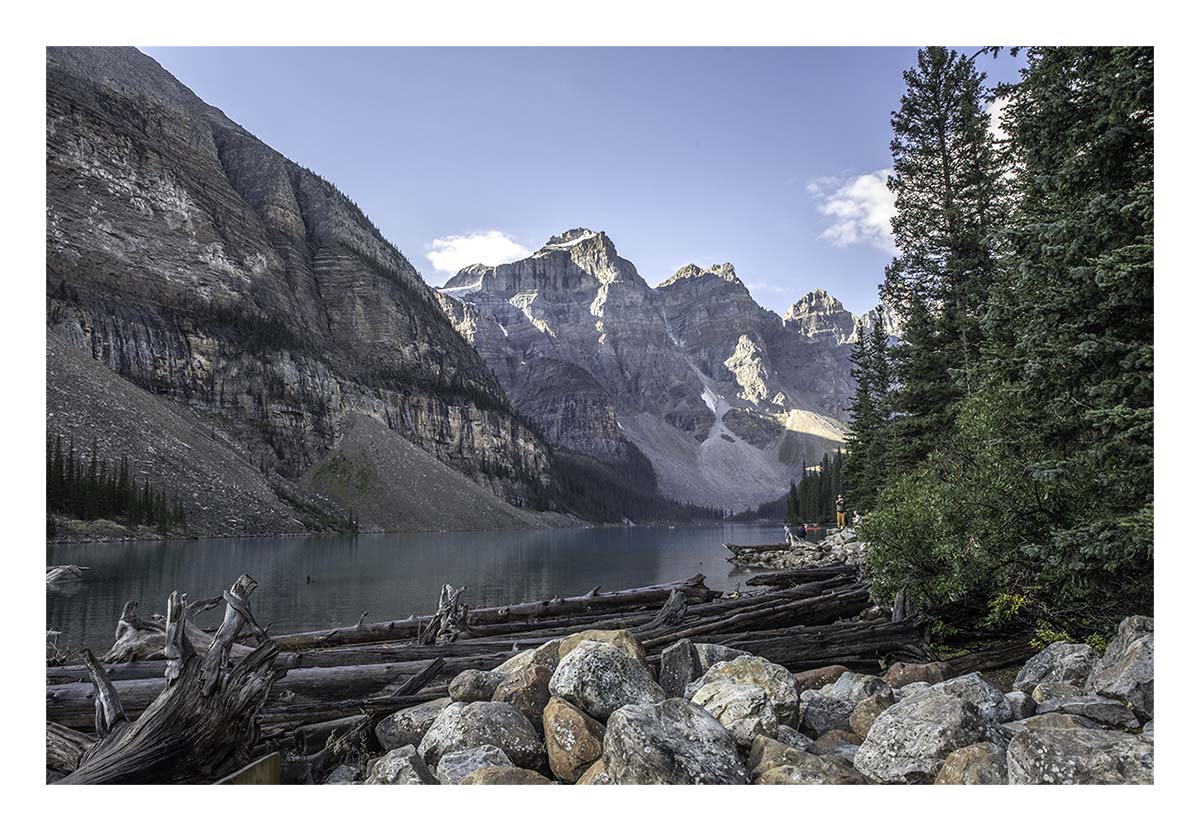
(203, 266)
(727, 400)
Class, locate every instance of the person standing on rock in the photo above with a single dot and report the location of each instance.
(841, 511)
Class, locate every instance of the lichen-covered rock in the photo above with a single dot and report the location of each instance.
(574, 740)
(453, 766)
(402, 766)
(620, 638)
(1059, 721)
(1054, 689)
(1068, 662)
(595, 775)
(1055, 756)
(527, 689)
(409, 726)
(990, 701)
(673, 742)
(774, 680)
(800, 768)
(900, 673)
(792, 737)
(546, 654)
(504, 775)
(1126, 672)
(745, 710)
(820, 714)
(1021, 704)
(711, 654)
(461, 726)
(855, 686)
(814, 679)
(1096, 707)
(982, 763)
(600, 678)
(909, 742)
(866, 711)
(912, 689)
(474, 685)
(679, 665)
(1148, 731)
(765, 753)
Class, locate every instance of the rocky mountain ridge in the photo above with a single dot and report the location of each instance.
(193, 260)
(727, 400)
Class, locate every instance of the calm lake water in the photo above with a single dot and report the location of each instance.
(386, 575)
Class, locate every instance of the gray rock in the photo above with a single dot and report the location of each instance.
(1128, 675)
(991, 702)
(410, 725)
(1055, 756)
(673, 742)
(1058, 721)
(461, 726)
(820, 714)
(1054, 689)
(909, 742)
(345, 775)
(599, 679)
(800, 768)
(982, 763)
(1129, 630)
(1096, 707)
(776, 681)
(855, 687)
(837, 744)
(1021, 704)
(792, 737)
(1148, 731)
(713, 653)
(1069, 662)
(402, 766)
(474, 685)
(743, 709)
(911, 689)
(457, 764)
(679, 665)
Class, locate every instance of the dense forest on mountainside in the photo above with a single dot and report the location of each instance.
(1003, 450)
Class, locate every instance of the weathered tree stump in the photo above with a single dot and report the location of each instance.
(449, 622)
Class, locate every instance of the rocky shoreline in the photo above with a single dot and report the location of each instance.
(590, 709)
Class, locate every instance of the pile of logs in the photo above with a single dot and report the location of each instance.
(172, 703)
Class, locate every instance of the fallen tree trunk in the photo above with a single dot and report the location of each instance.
(201, 726)
(65, 747)
(798, 576)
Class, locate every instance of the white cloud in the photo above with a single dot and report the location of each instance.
(453, 253)
(861, 208)
(995, 110)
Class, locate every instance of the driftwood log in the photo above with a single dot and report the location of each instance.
(201, 726)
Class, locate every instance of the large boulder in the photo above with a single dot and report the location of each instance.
(461, 726)
(673, 742)
(814, 679)
(474, 685)
(1126, 672)
(1047, 690)
(855, 687)
(711, 654)
(600, 678)
(743, 709)
(912, 689)
(574, 740)
(1021, 704)
(910, 741)
(410, 725)
(455, 765)
(789, 766)
(792, 737)
(900, 673)
(774, 680)
(504, 775)
(401, 766)
(1097, 708)
(678, 666)
(1069, 662)
(528, 690)
(982, 763)
(821, 713)
(620, 638)
(866, 711)
(1055, 756)
(990, 701)
(546, 654)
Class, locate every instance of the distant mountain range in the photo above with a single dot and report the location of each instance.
(239, 329)
(726, 400)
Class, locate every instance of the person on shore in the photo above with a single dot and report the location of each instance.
(841, 511)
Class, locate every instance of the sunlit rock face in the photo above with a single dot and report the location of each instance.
(200, 264)
(726, 399)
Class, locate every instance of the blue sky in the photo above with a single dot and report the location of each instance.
(768, 158)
